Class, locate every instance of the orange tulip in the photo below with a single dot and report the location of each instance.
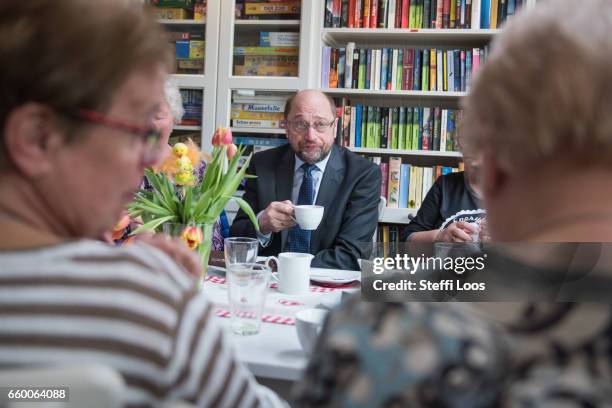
(119, 228)
(231, 151)
(192, 236)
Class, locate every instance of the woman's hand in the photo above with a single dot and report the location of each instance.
(459, 231)
(175, 249)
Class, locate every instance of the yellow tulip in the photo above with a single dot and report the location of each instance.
(192, 236)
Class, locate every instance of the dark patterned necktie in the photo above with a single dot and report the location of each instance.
(299, 239)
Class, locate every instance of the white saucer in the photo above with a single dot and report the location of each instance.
(334, 276)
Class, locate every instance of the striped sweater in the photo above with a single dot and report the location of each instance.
(131, 308)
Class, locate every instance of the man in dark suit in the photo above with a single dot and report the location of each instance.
(311, 169)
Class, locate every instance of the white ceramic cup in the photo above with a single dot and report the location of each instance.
(308, 217)
(308, 324)
(293, 272)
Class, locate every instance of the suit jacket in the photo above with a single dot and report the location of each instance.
(349, 191)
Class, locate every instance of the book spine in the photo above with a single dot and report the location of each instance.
(239, 114)
(468, 14)
(383, 69)
(395, 128)
(393, 82)
(462, 88)
(417, 70)
(252, 123)
(400, 69)
(391, 14)
(446, 6)
(374, 14)
(457, 70)
(341, 66)
(358, 12)
(436, 128)
(362, 68)
(348, 70)
(353, 127)
(409, 114)
(253, 107)
(366, 13)
(355, 76)
(329, 4)
(401, 133)
(368, 72)
(394, 182)
(494, 13)
(382, 13)
(476, 14)
(412, 14)
(452, 18)
(325, 65)
(404, 185)
(425, 70)
(433, 69)
(485, 14)
(358, 125)
(398, 14)
(439, 13)
(405, 13)
(427, 13)
(344, 13)
(333, 69)
(384, 170)
(351, 14)
(336, 12)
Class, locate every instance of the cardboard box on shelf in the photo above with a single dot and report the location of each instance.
(171, 13)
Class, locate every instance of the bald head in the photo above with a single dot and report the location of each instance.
(310, 93)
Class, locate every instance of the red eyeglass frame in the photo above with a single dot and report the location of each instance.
(148, 135)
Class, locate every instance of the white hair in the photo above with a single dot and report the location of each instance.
(174, 99)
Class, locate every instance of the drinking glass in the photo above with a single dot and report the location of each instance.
(240, 250)
(248, 285)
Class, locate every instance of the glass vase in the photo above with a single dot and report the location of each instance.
(197, 237)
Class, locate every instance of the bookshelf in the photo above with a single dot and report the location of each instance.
(441, 39)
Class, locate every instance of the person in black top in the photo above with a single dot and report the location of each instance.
(452, 210)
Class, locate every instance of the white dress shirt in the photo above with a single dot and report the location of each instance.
(298, 175)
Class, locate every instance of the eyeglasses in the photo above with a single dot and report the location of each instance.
(301, 127)
(148, 136)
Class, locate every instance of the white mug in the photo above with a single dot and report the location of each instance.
(293, 272)
(308, 217)
(308, 324)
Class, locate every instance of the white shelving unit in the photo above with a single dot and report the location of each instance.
(206, 82)
(227, 82)
(397, 152)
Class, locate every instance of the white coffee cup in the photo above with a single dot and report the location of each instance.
(308, 324)
(293, 272)
(308, 217)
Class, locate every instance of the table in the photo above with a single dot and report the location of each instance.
(274, 352)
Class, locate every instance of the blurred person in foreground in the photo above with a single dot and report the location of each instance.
(81, 82)
(539, 113)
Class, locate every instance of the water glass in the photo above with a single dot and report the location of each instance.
(248, 285)
(240, 250)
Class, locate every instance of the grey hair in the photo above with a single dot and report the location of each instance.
(546, 87)
(174, 99)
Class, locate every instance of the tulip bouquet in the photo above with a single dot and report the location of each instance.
(184, 203)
